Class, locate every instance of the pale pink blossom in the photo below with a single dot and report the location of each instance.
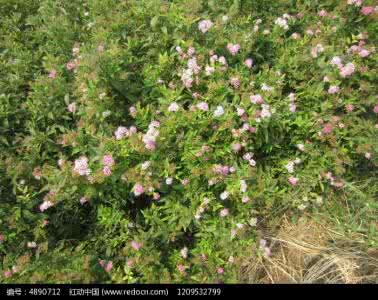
(108, 160)
(347, 70)
(121, 132)
(235, 82)
(70, 65)
(109, 266)
(83, 200)
(224, 212)
(7, 273)
(71, 107)
(173, 107)
(233, 48)
(293, 180)
(245, 199)
(364, 53)
(205, 25)
(333, 89)
(45, 205)
(135, 245)
(52, 74)
(367, 10)
(248, 62)
(203, 106)
(349, 107)
(81, 166)
(107, 171)
(133, 111)
(256, 99)
(138, 189)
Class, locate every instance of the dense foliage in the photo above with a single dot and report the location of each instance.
(150, 141)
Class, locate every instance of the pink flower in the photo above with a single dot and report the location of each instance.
(191, 51)
(2, 238)
(248, 62)
(323, 13)
(135, 245)
(327, 129)
(364, 53)
(71, 107)
(130, 263)
(108, 160)
(138, 189)
(205, 25)
(347, 70)
(70, 65)
(349, 107)
(293, 180)
(336, 61)
(220, 271)
(315, 51)
(83, 200)
(376, 109)
(7, 273)
(224, 212)
(222, 60)
(107, 171)
(256, 99)
(108, 267)
(81, 166)
(245, 199)
(173, 107)
(156, 196)
(333, 89)
(121, 132)
(233, 48)
(203, 106)
(181, 269)
(45, 205)
(235, 82)
(367, 10)
(52, 74)
(236, 147)
(292, 107)
(133, 111)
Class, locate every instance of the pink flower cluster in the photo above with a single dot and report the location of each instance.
(45, 205)
(347, 70)
(367, 10)
(106, 265)
(81, 166)
(333, 181)
(149, 139)
(233, 48)
(315, 51)
(122, 132)
(138, 189)
(108, 162)
(222, 170)
(235, 82)
(292, 106)
(205, 25)
(135, 245)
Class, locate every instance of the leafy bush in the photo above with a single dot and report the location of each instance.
(148, 141)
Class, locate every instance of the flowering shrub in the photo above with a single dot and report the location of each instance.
(147, 141)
